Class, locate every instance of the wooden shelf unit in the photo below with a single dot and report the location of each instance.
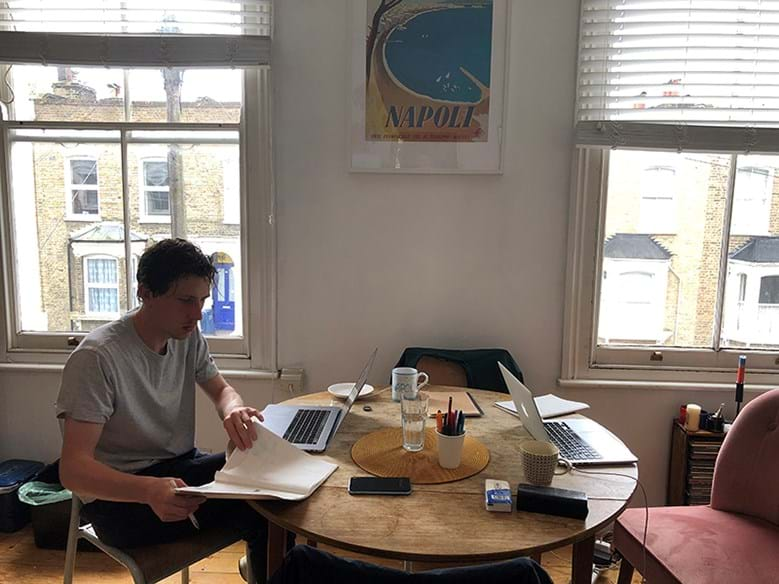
(692, 465)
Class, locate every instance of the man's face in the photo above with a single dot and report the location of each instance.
(177, 312)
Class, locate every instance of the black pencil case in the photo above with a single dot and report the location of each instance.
(551, 501)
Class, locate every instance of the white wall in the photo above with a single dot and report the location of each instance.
(393, 261)
(399, 260)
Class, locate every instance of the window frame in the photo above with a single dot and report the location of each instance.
(256, 350)
(92, 315)
(583, 362)
(70, 186)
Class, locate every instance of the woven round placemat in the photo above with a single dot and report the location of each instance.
(381, 453)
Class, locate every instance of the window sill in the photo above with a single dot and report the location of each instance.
(57, 368)
(83, 218)
(98, 316)
(159, 219)
(659, 385)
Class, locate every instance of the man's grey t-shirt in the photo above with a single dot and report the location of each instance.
(145, 401)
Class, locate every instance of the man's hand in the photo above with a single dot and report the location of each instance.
(239, 427)
(169, 506)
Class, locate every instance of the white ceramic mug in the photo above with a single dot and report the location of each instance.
(406, 380)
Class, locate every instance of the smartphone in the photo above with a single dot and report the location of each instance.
(379, 486)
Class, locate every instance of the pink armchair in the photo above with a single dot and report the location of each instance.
(733, 540)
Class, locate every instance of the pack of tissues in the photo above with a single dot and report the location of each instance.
(497, 495)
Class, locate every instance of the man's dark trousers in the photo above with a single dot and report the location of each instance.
(127, 525)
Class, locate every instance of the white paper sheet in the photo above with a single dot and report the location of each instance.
(549, 406)
(271, 469)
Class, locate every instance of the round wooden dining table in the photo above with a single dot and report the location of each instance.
(444, 522)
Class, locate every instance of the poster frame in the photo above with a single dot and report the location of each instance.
(412, 157)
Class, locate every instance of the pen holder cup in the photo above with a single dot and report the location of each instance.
(539, 460)
(450, 449)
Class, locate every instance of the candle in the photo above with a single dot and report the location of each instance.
(693, 421)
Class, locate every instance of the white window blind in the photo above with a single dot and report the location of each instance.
(180, 33)
(687, 64)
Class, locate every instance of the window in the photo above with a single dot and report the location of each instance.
(657, 212)
(81, 192)
(101, 286)
(675, 222)
(155, 192)
(146, 127)
(752, 201)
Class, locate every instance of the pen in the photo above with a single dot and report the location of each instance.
(439, 422)
(742, 363)
(449, 409)
(194, 520)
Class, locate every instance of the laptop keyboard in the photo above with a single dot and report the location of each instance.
(306, 426)
(571, 446)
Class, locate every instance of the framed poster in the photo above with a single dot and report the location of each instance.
(427, 85)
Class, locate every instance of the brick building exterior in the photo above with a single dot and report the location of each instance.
(79, 201)
(683, 213)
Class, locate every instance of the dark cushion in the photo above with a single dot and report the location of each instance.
(480, 365)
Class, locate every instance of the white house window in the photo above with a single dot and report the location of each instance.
(155, 192)
(160, 100)
(768, 307)
(742, 287)
(752, 200)
(695, 125)
(82, 188)
(101, 286)
(657, 210)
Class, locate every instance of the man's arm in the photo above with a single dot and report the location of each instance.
(81, 473)
(235, 416)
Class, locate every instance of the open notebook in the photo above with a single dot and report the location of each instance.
(271, 469)
(549, 406)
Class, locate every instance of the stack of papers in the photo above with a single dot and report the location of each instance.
(548, 405)
(271, 469)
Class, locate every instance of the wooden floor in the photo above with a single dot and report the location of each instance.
(23, 563)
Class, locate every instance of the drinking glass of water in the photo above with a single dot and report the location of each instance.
(413, 416)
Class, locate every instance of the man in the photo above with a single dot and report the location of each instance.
(128, 402)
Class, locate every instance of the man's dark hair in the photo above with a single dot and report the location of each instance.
(169, 260)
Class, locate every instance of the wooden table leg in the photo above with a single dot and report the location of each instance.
(277, 538)
(581, 562)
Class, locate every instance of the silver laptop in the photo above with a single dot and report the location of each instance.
(580, 440)
(313, 427)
